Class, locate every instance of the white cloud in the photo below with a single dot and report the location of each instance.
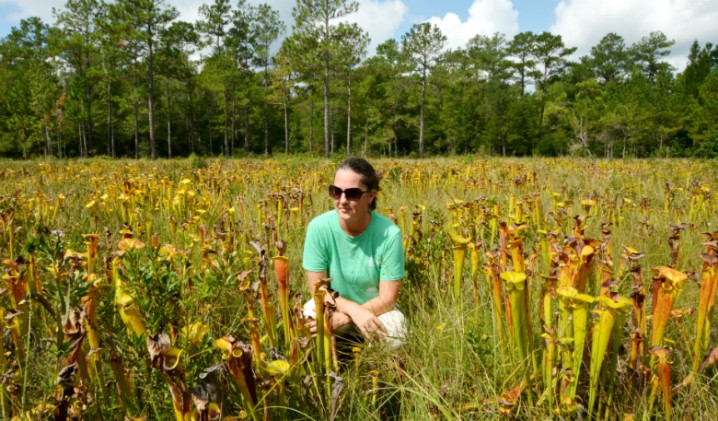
(486, 17)
(380, 19)
(582, 23)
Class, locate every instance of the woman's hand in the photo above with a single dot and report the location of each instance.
(368, 324)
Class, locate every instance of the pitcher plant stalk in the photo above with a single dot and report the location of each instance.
(237, 358)
(548, 294)
(606, 330)
(674, 241)
(522, 340)
(709, 281)
(460, 244)
(518, 261)
(322, 358)
(572, 327)
(669, 284)
(167, 359)
(663, 379)
(281, 272)
(475, 257)
(516, 287)
(638, 299)
(491, 269)
(251, 295)
(267, 307)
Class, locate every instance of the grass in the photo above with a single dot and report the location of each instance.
(451, 367)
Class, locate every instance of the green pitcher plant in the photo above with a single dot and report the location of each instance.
(709, 284)
(572, 329)
(607, 330)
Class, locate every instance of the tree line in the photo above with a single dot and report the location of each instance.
(127, 78)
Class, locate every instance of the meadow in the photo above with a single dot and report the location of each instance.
(536, 288)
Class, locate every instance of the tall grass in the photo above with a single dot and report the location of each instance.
(203, 219)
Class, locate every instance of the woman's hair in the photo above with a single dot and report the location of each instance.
(369, 177)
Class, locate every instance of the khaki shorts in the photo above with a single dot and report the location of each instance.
(393, 321)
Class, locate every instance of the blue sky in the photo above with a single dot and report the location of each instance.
(534, 15)
(581, 23)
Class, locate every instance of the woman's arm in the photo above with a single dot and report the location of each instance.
(364, 316)
(387, 298)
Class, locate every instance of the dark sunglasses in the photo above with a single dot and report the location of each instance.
(352, 193)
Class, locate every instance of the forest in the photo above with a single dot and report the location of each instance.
(126, 78)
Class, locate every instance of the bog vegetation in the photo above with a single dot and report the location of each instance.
(536, 288)
(126, 78)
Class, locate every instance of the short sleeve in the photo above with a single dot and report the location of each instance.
(392, 267)
(315, 258)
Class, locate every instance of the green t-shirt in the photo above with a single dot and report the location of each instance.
(355, 264)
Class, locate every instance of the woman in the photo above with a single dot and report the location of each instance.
(361, 251)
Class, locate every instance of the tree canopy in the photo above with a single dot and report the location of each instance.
(127, 78)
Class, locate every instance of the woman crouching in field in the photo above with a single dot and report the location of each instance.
(361, 251)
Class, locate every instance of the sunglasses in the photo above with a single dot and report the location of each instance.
(352, 193)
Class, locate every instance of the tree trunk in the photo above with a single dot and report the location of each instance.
(136, 117)
(190, 121)
(58, 133)
(625, 141)
(421, 114)
(266, 109)
(88, 120)
(311, 126)
(48, 141)
(349, 118)
(151, 93)
(24, 139)
(246, 131)
(226, 120)
(108, 141)
(366, 129)
(286, 126)
(234, 122)
(110, 127)
(331, 134)
(326, 98)
(209, 132)
(169, 120)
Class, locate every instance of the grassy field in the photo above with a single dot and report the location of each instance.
(536, 288)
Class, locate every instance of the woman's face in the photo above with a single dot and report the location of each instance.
(351, 210)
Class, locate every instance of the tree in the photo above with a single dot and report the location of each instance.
(609, 59)
(239, 51)
(265, 28)
(387, 89)
(697, 69)
(176, 44)
(351, 50)
(647, 54)
(148, 18)
(489, 57)
(316, 20)
(521, 48)
(551, 57)
(30, 91)
(492, 69)
(423, 45)
(213, 22)
(581, 114)
(78, 46)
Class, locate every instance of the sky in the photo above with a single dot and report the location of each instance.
(581, 23)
